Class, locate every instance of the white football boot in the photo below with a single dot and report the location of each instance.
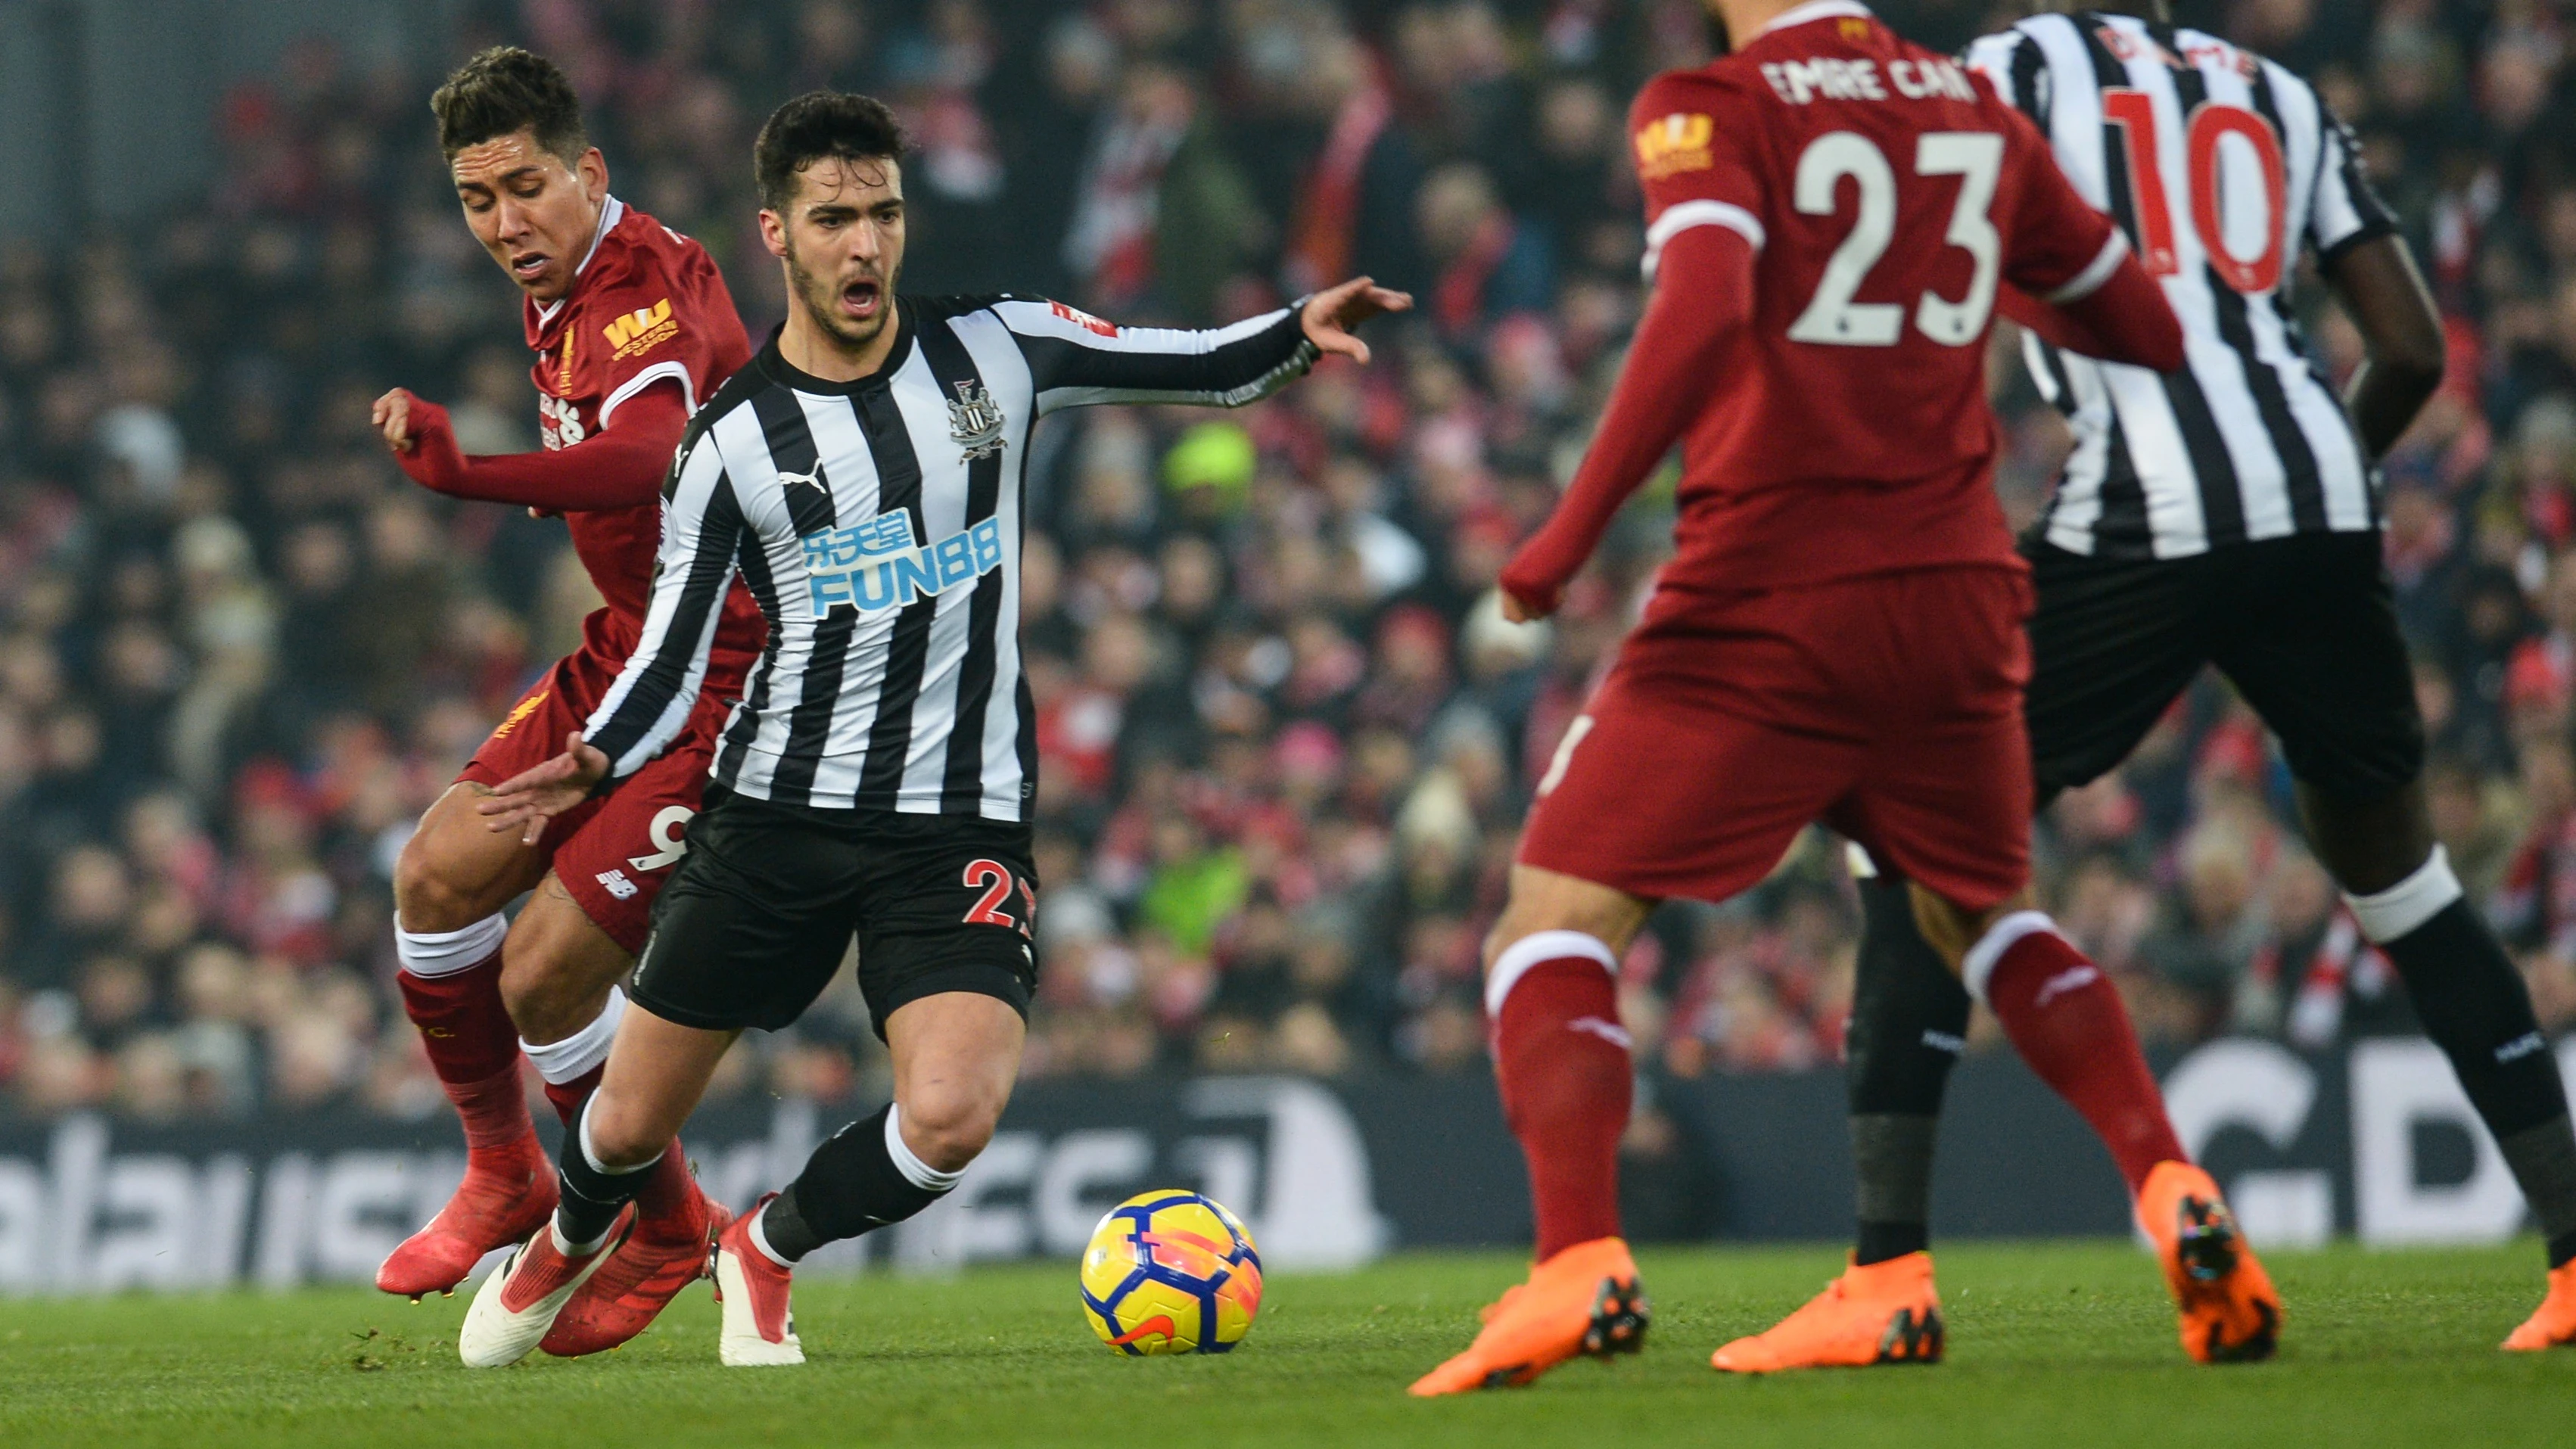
(758, 1328)
(519, 1301)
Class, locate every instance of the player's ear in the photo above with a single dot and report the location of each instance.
(773, 232)
(592, 168)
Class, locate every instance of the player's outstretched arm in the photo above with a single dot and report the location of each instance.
(620, 466)
(1703, 295)
(1076, 359)
(2401, 331)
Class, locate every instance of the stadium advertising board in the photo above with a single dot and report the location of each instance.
(2374, 1140)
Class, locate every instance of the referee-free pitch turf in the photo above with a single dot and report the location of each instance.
(2061, 1344)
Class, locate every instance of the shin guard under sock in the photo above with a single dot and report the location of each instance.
(2473, 1004)
(1561, 1058)
(1909, 1022)
(593, 1193)
(863, 1178)
(2068, 1022)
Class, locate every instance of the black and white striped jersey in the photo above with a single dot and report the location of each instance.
(2220, 166)
(878, 524)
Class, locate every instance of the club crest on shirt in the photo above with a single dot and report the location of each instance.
(975, 420)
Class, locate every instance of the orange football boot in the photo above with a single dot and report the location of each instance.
(666, 1252)
(2229, 1311)
(1583, 1300)
(2553, 1324)
(1876, 1313)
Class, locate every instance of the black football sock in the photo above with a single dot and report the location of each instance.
(1909, 1021)
(2474, 1005)
(591, 1195)
(862, 1179)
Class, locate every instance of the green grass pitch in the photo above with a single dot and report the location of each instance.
(2057, 1344)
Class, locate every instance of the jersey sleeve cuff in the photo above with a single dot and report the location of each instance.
(2369, 231)
(2096, 272)
(671, 368)
(1682, 216)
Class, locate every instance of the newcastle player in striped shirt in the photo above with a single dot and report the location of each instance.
(862, 474)
(2222, 514)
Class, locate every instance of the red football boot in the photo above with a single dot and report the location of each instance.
(508, 1191)
(675, 1226)
(759, 1331)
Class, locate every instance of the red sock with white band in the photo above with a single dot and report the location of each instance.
(1561, 1058)
(2067, 1020)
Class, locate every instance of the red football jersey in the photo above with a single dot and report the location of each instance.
(1886, 191)
(648, 307)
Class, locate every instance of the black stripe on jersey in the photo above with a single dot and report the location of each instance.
(2029, 73)
(898, 486)
(719, 532)
(2298, 461)
(810, 508)
(2222, 507)
(962, 785)
(2123, 530)
(753, 560)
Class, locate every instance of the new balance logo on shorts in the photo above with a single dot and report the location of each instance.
(618, 885)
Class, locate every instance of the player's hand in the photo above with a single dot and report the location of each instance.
(393, 419)
(1521, 613)
(527, 800)
(1331, 314)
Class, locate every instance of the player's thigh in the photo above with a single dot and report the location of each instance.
(2112, 642)
(2320, 657)
(752, 924)
(616, 862)
(1656, 795)
(456, 870)
(946, 904)
(557, 966)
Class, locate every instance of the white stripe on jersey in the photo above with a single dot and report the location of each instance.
(2246, 442)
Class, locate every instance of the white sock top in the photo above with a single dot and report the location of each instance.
(1979, 964)
(1538, 946)
(915, 1171)
(2398, 910)
(563, 1061)
(444, 953)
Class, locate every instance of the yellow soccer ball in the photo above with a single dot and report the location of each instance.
(1170, 1272)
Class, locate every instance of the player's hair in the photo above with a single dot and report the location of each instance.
(506, 89)
(815, 125)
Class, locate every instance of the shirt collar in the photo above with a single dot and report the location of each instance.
(1813, 10)
(610, 215)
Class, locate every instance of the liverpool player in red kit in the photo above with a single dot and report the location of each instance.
(1833, 215)
(632, 328)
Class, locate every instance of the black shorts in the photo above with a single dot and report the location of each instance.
(2304, 627)
(756, 917)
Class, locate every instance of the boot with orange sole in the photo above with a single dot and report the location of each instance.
(1583, 1300)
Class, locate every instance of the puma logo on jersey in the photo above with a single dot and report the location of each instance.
(813, 480)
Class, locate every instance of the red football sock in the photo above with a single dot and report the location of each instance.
(473, 1048)
(2066, 1019)
(1561, 1058)
(667, 1186)
(567, 1097)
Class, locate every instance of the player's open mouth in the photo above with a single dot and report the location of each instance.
(527, 267)
(859, 299)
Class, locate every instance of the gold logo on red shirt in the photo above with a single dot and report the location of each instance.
(1677, 143)
(522, 710)
(641, 330)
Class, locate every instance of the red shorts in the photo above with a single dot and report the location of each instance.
(612, 853)
(1886, 707)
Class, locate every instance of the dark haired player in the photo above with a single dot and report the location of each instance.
(633, 328)
(2220, 514)
(1832, 213)
(862, 475)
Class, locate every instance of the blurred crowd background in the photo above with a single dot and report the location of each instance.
(1287, 736)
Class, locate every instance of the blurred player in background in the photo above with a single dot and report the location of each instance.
(2223, 513)
(1832, 212)
(633, 328)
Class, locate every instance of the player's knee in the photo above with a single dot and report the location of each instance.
(616, 1132)
(543, 1005)
(425, 898)
(948, 1125)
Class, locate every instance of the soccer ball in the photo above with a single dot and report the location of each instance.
(1170, 1272)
